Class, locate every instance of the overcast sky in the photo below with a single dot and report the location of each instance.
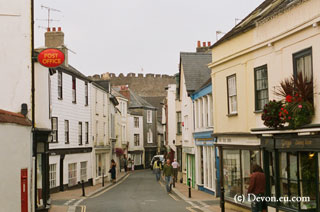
(140, 36)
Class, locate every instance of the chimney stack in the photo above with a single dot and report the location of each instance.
(53, 38)
(204, 47)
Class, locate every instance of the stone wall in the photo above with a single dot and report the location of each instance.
(149, 85)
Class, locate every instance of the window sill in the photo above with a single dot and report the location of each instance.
(232, 114)
(53, 142)
(80, 144)
(178, 133)
(258, 111)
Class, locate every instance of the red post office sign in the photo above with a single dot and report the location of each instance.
(51, 58)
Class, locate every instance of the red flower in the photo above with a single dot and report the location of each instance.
(289, 98)
(282, 108)
(289, 117)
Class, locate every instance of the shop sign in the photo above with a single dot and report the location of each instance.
(204, 142)
(51, 58)
(188, 150)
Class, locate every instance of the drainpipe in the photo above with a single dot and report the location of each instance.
(33, 105)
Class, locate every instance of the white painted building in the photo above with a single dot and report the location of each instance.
(15, 90)
(192, 74)
(135, 137)
(172, 117)
(102, 152)
(71, 146)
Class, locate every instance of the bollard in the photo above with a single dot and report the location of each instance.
(189, 182)
(103, 179)
(83, 191)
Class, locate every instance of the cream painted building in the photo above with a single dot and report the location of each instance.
(277, 40)
(102, 152)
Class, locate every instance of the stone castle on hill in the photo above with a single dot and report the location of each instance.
(149, 85)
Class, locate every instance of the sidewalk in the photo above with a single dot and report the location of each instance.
(207, 201)
(76, 194)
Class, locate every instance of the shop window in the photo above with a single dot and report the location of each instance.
(248, 159)
(53, 175)
(272, 174)
(308, 179)
(231, 172)
(83, 171)
(72, 174)
(298, 173)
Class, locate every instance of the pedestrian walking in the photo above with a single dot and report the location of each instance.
(168, 173)
(129, 164)
(125, 163)
(257, 187)
(157, 166)
(132, 164)
(175, 166)
(112, 171)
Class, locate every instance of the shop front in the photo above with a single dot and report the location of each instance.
(238, 154)
(190, 171)
(205, 160)
(292, 164)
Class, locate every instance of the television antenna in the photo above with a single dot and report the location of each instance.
(49, 9)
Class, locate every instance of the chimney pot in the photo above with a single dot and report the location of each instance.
(209, 43)
(48, 29)
(199, 44)
(204, 44)
(59, 29)
(53, 29)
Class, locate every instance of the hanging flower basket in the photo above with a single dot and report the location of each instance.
(296, 108)
(119, 152)
(271, 114)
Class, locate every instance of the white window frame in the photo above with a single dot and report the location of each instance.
(86, 130)
(232, 94)
(53, 175)
(83, 171)
(136, 139)
(80, 140)
(149, 137)
(136, 122)
(72, 174)
(66, 131)
(149, 116)
(54, 127)
(74, 90)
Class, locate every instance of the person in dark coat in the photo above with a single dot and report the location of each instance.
(257, 187)
(112, 171)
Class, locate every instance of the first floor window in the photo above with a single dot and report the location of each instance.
(261, 86)
(136, 122)
(74, 90)
(86, 132)
(53, 175)
(136, 140)
(179, 123)
(83, 171)
(149, 136)
(54, 127)
(72, 174)
(80, 133)
(232, 94)
(66, 131)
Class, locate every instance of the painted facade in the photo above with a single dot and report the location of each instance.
(240, 133)
(100, 132)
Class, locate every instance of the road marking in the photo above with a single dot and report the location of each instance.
(69, 202)
(175, 198)
(79, 201)
(190, 209)
(111, 187)
(71, 209)
(83, 208)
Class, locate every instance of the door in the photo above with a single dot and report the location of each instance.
(24, 190)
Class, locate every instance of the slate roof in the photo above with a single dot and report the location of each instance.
(156, 102)
(266, 10)
(136, 101)
(73, 71)
(195, 67)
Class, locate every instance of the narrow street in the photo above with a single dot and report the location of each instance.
(137, 193)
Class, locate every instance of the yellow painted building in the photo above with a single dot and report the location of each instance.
(278, 39)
